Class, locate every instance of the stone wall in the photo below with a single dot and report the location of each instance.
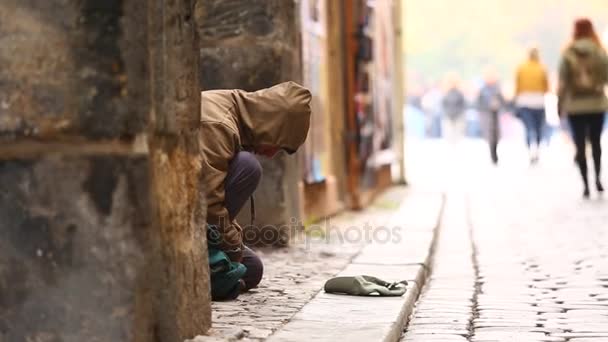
(101, 230)
(250, 45)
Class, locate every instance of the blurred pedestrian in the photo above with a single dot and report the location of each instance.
(531, 85)
(490, 102)
(583, 74)
(454, 106)
(431, 103)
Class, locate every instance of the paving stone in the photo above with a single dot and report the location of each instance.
(433, 338)
(447, 302)
(584, 327)
(398, 254)
(518, 308)
(438, 330)
(443, 316)
(302, 330)
(507, 314)
(514, 328)
(581, 334)
(436, 310)
(340, 308)
(453, 328)
(524, 325)
(438, 320)
(513, 336)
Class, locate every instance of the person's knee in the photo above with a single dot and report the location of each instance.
(255, 272)
(249, 166)
(257, 275)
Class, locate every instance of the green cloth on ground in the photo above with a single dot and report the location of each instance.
(364, 286)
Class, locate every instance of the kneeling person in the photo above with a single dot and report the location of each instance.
(235, 125)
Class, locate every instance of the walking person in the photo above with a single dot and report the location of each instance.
(454, 106)
(431, 104)
(490, 102)
(532, 83)
(583, 74)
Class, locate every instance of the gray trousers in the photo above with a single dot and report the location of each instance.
(244, 174)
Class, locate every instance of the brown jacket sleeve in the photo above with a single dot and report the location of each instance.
(219, 145)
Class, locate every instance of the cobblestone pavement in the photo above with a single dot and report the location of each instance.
(520, 257)
(295, 274)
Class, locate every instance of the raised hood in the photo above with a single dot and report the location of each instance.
(277, 116)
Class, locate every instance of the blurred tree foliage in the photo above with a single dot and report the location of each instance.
(466, 36)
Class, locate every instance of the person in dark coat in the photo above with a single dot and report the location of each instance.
(489, 103)
(454, 105)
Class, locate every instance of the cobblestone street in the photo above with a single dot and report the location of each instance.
(295, 274)
(520, 257)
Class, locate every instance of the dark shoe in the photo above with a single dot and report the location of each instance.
(534, 160)
(242, 286)
(534, 155)
(599, 186)
(586, 194)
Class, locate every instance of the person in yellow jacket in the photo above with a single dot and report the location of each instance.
(532, 84)
(236, 125)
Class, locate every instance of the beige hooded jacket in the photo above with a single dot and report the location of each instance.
(233, 119)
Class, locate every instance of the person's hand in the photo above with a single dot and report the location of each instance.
(235, 255)
(232, 241)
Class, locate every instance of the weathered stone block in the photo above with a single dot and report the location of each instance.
(73, 239)
(247, 44)
(100, 242)
(182, 301)
(73, 68)
(250, 45)
(244, 21)
(222, 68)
(174, 66)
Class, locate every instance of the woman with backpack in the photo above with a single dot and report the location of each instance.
(583, 74)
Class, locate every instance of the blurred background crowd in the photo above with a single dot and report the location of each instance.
(449, 63)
